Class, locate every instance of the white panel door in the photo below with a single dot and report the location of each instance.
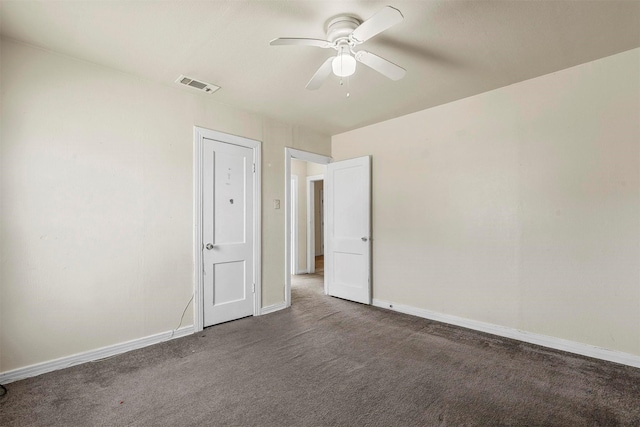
(227, 231)
(348, 229)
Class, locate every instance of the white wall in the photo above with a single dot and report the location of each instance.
(318, 190)
(518, 207)
(97, 203)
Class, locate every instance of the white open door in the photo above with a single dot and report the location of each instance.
(348, 229)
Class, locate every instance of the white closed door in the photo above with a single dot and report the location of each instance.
(227, 231)
(348, 229)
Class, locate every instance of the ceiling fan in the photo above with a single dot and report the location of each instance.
(344, 33)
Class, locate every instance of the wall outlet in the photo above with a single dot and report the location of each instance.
(276, 204)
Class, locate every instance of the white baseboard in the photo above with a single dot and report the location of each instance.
(530, 337)
(272, 308)
(91, 355)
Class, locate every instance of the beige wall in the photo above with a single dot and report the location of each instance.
(299, 168)
(97, 203)
(314, 169)
(519, 207)
(303, 169)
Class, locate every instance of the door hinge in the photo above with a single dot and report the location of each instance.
(254, 168)
(254, 288)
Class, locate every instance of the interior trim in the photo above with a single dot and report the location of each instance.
(273, 308)
(199, 134)
(92, 355)
(503, 331)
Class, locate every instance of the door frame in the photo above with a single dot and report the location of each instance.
(293, 153)
(199, 134)
(311, 222)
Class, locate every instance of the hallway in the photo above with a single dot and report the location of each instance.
(309, 280)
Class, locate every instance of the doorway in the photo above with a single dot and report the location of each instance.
(315, 220)
(299, 251)
(307, 216)
(348, 225)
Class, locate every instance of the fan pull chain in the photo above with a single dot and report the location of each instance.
(348, 85)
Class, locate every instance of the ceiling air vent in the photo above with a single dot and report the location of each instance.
(198, 85)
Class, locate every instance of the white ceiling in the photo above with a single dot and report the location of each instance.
(450, 49)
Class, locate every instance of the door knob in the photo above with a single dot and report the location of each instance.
(364, 239)
(209, 246)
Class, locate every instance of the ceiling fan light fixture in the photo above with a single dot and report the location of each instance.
(343, 64)
(344, 33)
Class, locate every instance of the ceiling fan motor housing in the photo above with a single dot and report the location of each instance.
(341, 27)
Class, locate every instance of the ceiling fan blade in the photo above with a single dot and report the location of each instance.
(381, 65)
(385, 18)
(300, 41)
(321, 75)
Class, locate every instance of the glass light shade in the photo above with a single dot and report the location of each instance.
(344, 64)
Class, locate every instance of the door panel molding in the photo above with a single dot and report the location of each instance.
(200, 134)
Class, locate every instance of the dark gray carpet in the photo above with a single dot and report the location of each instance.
(329, 362)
